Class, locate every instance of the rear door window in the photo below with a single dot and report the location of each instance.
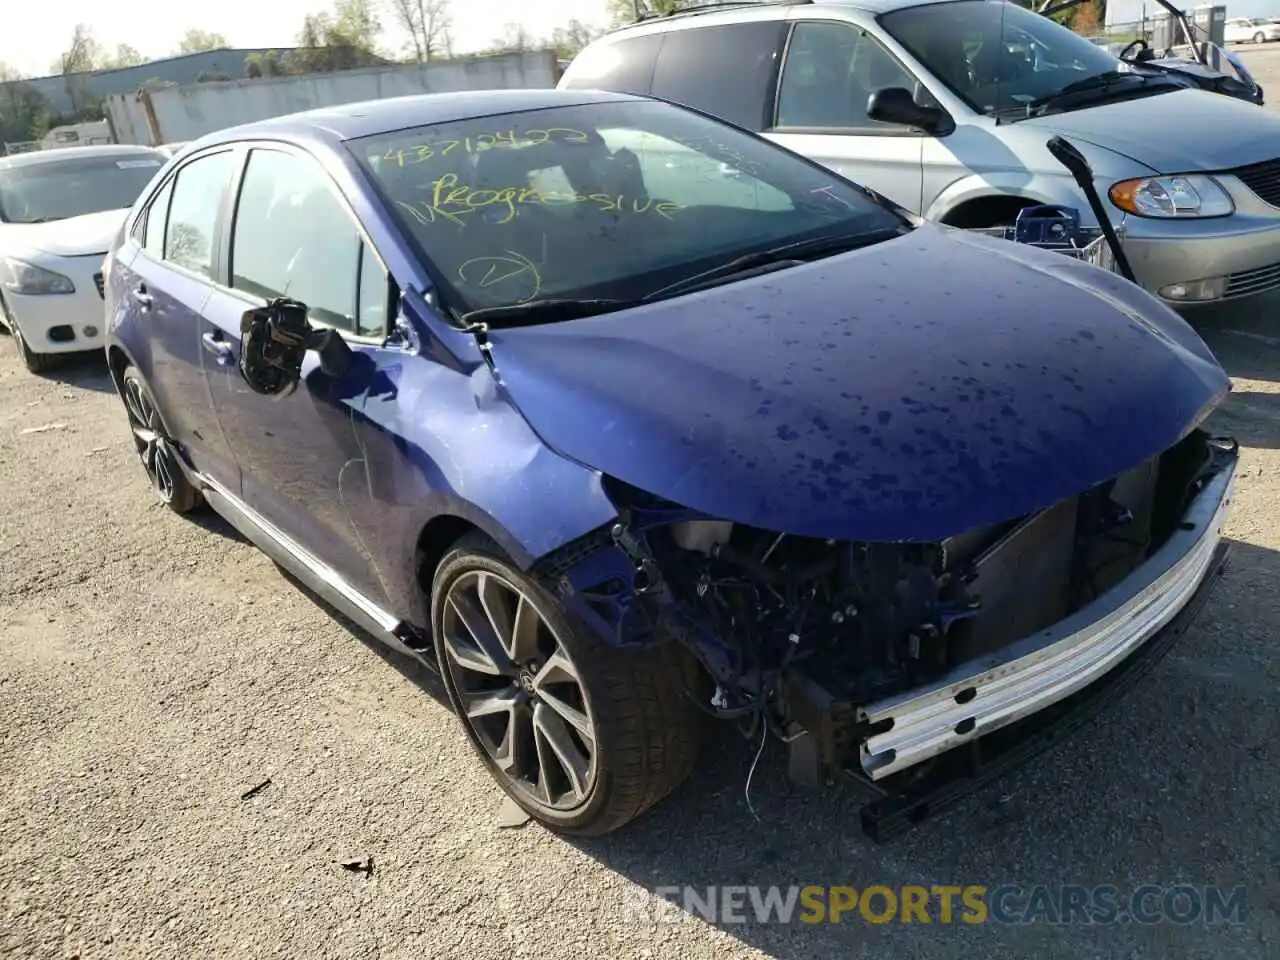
(829, 75)
(726, 70)
(198, 192)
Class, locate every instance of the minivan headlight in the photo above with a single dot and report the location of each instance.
(1172, 197)
(28, 279)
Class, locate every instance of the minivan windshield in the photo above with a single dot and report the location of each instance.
(1000, 57)
(74, 186)
(620, 200)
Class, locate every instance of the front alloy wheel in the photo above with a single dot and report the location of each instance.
(155, 449)
(519, 689)
(583, 735)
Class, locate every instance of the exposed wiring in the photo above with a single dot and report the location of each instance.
(746, 790)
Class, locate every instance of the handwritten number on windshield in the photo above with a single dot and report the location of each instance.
(422, 152)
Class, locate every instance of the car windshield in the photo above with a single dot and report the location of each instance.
(610, 200)
(997, 56)
(73, 187)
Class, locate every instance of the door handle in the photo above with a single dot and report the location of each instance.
(140, 294)
(216, 344)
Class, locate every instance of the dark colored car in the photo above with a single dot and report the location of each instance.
(621, 415)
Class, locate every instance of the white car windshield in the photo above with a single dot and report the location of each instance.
(997, 56)
(73, 186)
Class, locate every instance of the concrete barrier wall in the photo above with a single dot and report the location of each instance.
(188, 112)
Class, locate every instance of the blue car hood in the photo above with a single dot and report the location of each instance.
(908, 391)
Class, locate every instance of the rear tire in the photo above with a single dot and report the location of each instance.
(584, 736)
(1259, 38)
(156, 449)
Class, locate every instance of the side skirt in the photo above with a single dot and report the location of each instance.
(308, 568)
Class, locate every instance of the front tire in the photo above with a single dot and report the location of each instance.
(34, 362)
(584, 736)
(156, 449)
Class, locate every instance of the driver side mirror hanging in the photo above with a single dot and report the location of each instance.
(274, 340)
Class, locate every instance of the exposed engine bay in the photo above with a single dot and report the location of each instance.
(762, 611)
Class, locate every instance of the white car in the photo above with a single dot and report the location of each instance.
(1246, 30)
(171, 149)
(59, 210)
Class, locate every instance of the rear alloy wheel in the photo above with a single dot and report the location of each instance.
(156, 450)
(583, 736)
(1259, 38)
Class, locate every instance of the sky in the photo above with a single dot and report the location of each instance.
(1124, 11)
(33, 43)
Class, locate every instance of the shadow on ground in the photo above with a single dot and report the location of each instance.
(212, 522)
(87, 371)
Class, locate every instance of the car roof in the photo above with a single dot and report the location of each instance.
(39, 157)
(350, 120)
(732, 11)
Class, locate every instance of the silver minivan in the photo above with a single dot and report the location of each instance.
(945, 107)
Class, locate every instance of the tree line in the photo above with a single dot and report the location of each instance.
(348, 35)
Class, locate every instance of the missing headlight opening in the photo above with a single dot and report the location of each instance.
(819, 640)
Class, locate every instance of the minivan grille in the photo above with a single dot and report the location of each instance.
(1263, 179)
(1248, 282)
(97, 282)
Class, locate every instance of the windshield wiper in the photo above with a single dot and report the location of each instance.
(533, 312)
(1098, 88)
(789, 254)
(39, 220)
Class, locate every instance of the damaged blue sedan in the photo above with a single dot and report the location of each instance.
(621, 417)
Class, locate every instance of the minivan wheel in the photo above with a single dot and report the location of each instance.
(156, 450)
(584, 736)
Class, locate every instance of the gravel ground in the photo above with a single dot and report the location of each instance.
(153, 669)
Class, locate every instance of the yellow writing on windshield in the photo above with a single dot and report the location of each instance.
(452, 200)
(513, 272)
(422, 152)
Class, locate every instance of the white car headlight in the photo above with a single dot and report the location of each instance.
(1192, 195)
(30, 280)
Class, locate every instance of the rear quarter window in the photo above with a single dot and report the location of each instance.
(623, 66)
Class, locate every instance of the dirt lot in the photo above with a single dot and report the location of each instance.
(153, 669)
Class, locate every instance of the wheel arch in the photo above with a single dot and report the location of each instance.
(989, 210)
(117, 361)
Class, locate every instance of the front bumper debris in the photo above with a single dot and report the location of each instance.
(991, 714)
(981, 696)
